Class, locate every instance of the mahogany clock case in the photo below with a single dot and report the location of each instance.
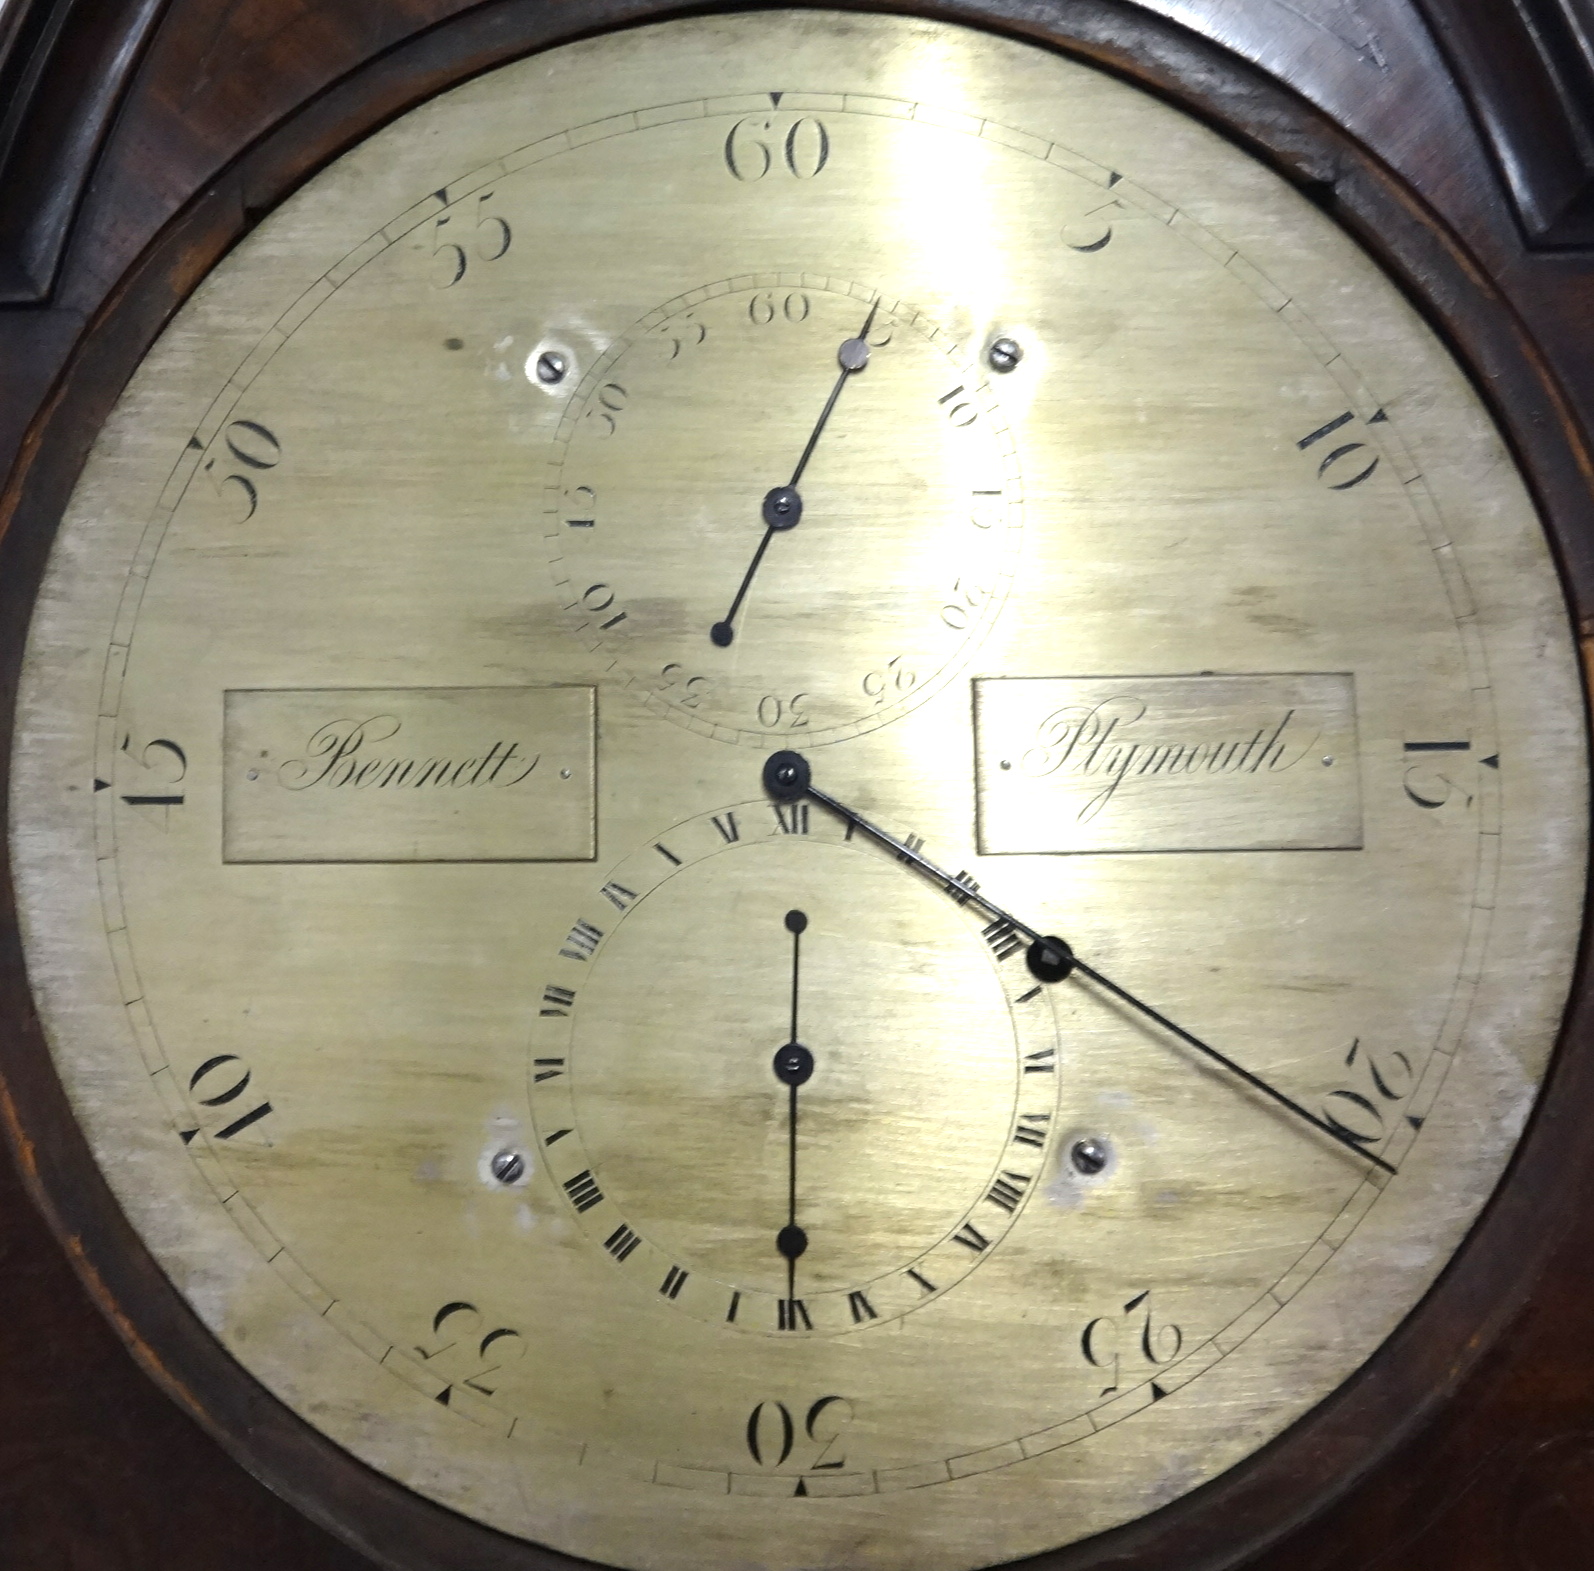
(140, 146)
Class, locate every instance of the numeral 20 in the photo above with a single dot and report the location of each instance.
(1359, 1116)
(690, 691)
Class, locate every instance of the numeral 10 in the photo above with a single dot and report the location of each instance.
(221, 1082)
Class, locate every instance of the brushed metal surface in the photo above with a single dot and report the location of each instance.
(485, 774)
(1182, 763)
(1229, 445)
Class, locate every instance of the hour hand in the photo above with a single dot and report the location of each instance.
(788, 778)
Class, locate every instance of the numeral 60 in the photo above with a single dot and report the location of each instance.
(750, 154)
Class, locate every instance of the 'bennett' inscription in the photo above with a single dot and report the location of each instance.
(447, 774)
(1169, 763)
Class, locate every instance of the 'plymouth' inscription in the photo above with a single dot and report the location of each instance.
(1106, 742)
(1201, 763)
(442, 774)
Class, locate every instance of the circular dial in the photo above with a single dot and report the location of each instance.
(1065, 1075)
(692, 498)
(788, 976)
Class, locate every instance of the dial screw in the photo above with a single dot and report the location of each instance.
(1004, 354)
(552, 367)
(508, 1167)
(1090, 1155)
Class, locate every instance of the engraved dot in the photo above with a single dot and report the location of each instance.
(453, 343)
(564, 774)
(254, 774)
(1007, 763)
(1328, 758)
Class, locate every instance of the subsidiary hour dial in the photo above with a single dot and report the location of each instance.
(735, 441)
(784, 1086)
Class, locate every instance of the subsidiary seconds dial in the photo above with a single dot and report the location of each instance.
(738, 437)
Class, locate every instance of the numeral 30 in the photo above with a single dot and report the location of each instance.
(772, 1432)
(252, 449)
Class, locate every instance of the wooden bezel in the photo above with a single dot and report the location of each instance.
(1493, 1328)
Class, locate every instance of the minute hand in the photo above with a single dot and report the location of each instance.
(783, 507)
(787, 778)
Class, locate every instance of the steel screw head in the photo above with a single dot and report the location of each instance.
(1090, 1155)
(552, 367)
(508, 1167)
(1004, 354)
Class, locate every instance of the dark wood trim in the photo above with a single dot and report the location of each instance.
(1528, 70)
(1485, 1298)
(64, 66)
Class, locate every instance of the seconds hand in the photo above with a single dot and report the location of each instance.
(783, 507)
(787, 778)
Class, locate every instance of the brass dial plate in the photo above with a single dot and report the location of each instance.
(1217, 634)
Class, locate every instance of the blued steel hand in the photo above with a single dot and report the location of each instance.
(783, 507)
(793, 1065)
(787, 778)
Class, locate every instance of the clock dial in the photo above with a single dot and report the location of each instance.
(661, 525)
(753, 1098)
(675, 1171)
